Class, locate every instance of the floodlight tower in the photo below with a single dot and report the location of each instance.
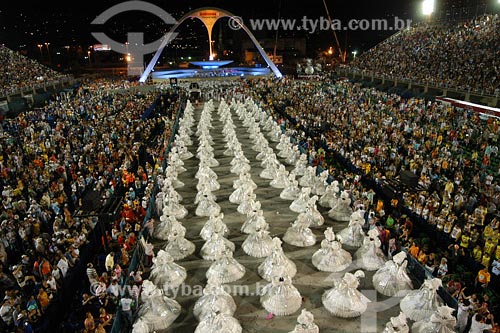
(428, 7)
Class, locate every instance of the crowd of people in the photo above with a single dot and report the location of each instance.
(52, 157)
(463, 56)
(378, 135)
(18, 72)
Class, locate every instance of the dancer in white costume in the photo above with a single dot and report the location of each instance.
(305, 323)
(299, 205)
(270, 165)
(216, 244)
(353, 235)
(329, 198)
(165, 227)
(165, 273)
(345, 300)
(420, 304)
(280, 297)
(276, 263)
(213, 223)
(178, 246)
(216, 322)
(294, 155)
(214, 298)
(157, 310)
(254, 218)
(312, 213)
(207, 207)
(258, 244)
(331, 257)
(242, 186)
(226, 268)
(397, 325)
(299, 234)
(207, 182)
(369, 256)
(342, 210)
(309, 177)
(281, 180)
(248, 204)
(320, 183)
(172, 207)
(240, 163)
(392, 279)
(300, 165)
(441, 321)
(292, 190)
(171, 174)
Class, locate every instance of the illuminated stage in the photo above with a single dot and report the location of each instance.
(210, 69)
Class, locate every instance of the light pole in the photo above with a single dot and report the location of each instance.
(48, 52)
(354, 53)
(428, 7)
(40, 48)
(88, 55)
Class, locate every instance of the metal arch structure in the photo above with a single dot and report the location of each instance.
(208, 15)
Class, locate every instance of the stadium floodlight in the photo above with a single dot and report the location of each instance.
(428, 7)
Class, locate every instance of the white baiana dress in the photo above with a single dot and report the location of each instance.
(240, 192)
(226, 268)
(353, 235)
(165, 227)
(281, 180)
(309, 177)
(397, 325)
(319, 187)
(312, 213)
(258, 244)
(165, 273)
(276, 262)
(248, 204)
(207, 207)
(300, 165)
(299, 205)
(305, 323)
(215, 222)
(299, 234)
(174, 208)
(177, 246)
(345, 300)
(441, 321)
(292, 190)
(342, 210)
(392, 279)
(216, 322)
(215, 245)
(329, 198)
(280, 297)
(331, 257)
(254, 218)
(369, 256)
(214, 299)
(157, 310)
(422, 303)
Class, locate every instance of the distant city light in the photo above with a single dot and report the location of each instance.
(428, 7)
(128, 58)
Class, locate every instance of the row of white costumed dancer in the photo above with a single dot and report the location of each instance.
(156, 310)
(215, 309)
